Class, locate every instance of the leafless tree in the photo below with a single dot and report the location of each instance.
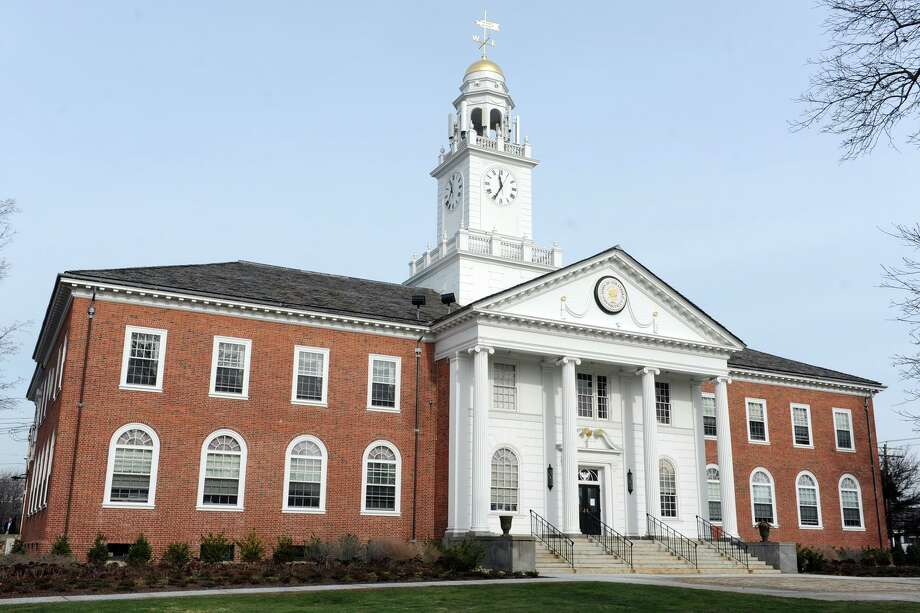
(12, 491)
(901, 488)
(904, 279)
(8, 344)
(868, 80)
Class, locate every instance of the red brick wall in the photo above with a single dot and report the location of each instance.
(784, 461)
(183, 415)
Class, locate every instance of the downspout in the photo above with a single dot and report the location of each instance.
(90, 313)
(872, 452)
(418, 361)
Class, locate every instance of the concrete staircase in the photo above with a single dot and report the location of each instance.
(649, 557)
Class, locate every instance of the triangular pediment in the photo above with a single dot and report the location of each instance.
(572, 295)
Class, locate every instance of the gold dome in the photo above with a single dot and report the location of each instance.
(486, 65)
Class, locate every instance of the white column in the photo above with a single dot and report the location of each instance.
(569, 477)
(456, 439)
(479, 523)
(726, 467)
(699, 443)
(650, 442)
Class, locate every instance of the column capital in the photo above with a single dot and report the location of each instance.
(566, 359)
(481, 348)
(648, 370)
(723, 379)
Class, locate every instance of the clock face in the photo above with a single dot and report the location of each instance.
(610, 294)
(452, 193)
(500, 186)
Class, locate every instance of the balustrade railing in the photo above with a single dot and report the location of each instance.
(552, 537)
(614, 543)
(726, 544)
(673, 541)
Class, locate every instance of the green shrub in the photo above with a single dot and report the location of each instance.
(177, 555)
(316, 550)
(913, 555)
(809, 560)
(215, 548)
(898, 556)
(61, 546)
(140, 551)
(284, 551)
(98, 554)
(874, 556)
(251, 548)
(463, 556)
(348, 548)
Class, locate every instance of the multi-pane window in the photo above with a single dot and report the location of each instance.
(504, 387)
(663, 402)
(709, 416)
(383, 392)
(843, 427)
(801, 425)
(230, 374)
(762, 497)
(504, 480)
(602, 402)
(381, 479)
(132, 467)
(224, 466)
(311, 367)
(850, 503)
(667, 485)
(757, 420)
(584, 389)
(142, 362)
(809, 505)
(714, 493)
(305, 475)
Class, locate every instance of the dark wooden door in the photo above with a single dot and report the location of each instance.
(589, 508)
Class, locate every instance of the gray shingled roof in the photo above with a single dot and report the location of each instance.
(279, 286)
(749, 359)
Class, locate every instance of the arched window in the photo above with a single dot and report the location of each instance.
(504, 480)
(495, 121)
(714, 493)
(667, 484)
(381, 479)
(763, 499)
(809, 500)
(851, 503)
(131, 473)
(305, 476)
(478, 122)
(222, 478)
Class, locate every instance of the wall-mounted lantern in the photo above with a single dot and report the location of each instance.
(549, 476)
(629, 487)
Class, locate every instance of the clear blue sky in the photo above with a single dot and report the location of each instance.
(302, 134)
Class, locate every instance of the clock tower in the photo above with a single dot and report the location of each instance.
(484, 240)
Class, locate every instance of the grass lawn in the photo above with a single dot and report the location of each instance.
(505, 597)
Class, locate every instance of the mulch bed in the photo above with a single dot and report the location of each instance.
(853, 569)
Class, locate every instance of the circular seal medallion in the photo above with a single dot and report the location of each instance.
(610, 294)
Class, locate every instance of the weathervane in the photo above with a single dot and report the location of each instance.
(485, 40)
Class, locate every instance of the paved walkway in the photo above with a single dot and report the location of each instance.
(819, 587)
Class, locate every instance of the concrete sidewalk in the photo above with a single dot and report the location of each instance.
(818, 587)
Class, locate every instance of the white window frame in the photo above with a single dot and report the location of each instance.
(775, 523)
(494, 386)
(710, 437)
(517, 458)
(107, 501)
(364, 460)
(298, 349)
(202, 463)
(126, 355)
(246, 362)
(61, 361)
(859, 499)
(811, 434)
(798, 501)
(370, 382)
(677, 496)
(321, 510)
(849, 414)
(747, 421)
(708, 500)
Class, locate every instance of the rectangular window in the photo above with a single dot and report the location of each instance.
(715, 501)
(311, 376)
(230, 367)
(584, 386)
(504, 387)
(763, 503)
(602, 412)
(143, 359)
(709, 415)
(663, 402)
(801, 425)
(131, 474)
(305, 483)
(383, 384)
(843, 426)
(757, 421)
(222, 479)
(381, 486)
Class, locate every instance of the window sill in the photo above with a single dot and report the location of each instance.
(384, 409)
(380, 513)
(772, 526)
(139, 388)
(797, 446)
(843, 450)
(228, 396)
(511, 513)
(128, 505)
(752, 442)
(310, 403)
(853, 529)
(710, 437)
(801, 527)
(219, 508)
(304, 511)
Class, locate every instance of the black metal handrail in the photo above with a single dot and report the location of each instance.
(613, 542)
(726, 544)
(674, 541)
(552, 537)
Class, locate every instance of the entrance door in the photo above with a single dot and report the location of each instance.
(589, 508)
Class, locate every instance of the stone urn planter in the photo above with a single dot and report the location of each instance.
(764, 529)
(505, 521)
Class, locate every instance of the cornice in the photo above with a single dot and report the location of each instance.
(799, 381)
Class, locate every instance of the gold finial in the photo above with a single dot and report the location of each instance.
(485, 40)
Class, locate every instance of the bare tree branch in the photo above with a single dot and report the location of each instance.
(8, 344)
(904, 280)
(868, 80)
